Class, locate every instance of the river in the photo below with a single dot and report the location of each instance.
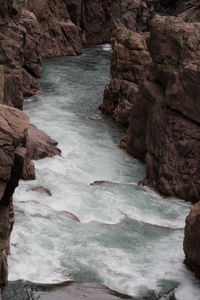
(129, 238)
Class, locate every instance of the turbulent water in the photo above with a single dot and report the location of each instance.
(129, 238)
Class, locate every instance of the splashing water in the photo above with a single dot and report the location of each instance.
(129, 237)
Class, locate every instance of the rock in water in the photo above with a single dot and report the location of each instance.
(42, 190)
(70, 216)
(191, 243)
(68, 290)
(39, 145)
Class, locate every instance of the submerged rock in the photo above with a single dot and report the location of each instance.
(68, 290)
(42, 190)
(71, 216)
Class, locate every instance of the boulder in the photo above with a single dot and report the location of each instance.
(39, 145)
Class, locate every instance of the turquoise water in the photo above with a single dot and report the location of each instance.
(129, 237)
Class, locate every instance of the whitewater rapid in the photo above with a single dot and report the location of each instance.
(129, 237)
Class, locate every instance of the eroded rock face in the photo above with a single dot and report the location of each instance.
(164, 123)
(130, 55)
(13, 125)
(188, 10)
(96, 21)
(191, 243)
(135, 15)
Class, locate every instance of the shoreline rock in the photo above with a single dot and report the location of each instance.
(191, 244)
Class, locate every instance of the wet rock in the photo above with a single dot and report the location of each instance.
(129, 58)
(39, 145)
(42, 190)
(97, 182)
(13, 126)
(71, 216)
(191, 243)
(68, 290)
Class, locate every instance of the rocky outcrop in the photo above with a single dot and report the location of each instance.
(169, 139)
(39, 145)
(13, 126)
(188, 10)
(191, 243)
(135, 15)
(130, 55)
(96, 21)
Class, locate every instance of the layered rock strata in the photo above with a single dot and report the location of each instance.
(17, 149)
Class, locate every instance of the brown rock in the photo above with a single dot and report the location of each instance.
(163, 129)
(71, 216)
(135, 15)
(42, 190)
(129, 59)
(39, 145)
(13, 126)
(191, 243)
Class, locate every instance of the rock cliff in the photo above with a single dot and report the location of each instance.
(18, 141)
(155, 91)
(164, 123)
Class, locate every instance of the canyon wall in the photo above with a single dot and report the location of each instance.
(154, 91)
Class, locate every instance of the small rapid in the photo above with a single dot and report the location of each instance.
(129, 238)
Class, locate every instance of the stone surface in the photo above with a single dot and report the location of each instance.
(39, 145)
(135, 15)
(13, 125)
(71, 216)
(163, 130)
(42, 190)
(129, 58)
(191, 243)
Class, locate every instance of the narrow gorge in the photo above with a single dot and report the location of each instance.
(100, 209)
